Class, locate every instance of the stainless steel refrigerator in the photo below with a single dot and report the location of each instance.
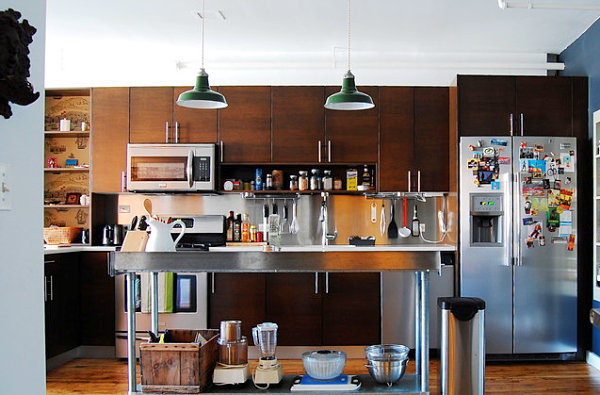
(518, 236)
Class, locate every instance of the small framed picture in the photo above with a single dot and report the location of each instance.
(51, 163)
(72, 198)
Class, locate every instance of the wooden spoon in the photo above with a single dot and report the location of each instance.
(148, 207)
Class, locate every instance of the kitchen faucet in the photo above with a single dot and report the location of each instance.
(324, 218)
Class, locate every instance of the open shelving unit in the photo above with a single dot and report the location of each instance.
(62, 181)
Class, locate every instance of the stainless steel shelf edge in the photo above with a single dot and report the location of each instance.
(275, 262)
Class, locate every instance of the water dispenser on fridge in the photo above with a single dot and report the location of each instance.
(487, 216)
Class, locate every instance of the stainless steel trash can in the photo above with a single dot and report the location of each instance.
(462, 346)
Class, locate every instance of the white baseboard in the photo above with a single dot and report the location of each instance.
(80, 352)
(593, 359)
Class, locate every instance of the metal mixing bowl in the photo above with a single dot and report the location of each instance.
(387, 372)
(387, 352)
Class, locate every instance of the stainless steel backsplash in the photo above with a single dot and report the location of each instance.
(350, 215)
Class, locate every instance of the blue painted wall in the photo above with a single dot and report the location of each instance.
(582, 58)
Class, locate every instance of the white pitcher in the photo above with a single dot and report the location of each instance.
(160, 235)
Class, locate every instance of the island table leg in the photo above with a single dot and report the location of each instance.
(131, 360)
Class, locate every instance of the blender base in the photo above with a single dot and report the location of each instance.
(268, 372)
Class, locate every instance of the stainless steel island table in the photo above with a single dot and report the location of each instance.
(420, 260)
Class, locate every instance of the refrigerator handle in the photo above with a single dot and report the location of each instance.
(517, 225)
(522, 124)
(509, 215)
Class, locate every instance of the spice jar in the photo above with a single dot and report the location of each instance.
(315, 180)
(277, 179)
(337, 184)
(303, 180)
(327, 180)
(293, 182)
(253, 233)
(269, 182)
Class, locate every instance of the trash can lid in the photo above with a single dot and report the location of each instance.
(463, 308)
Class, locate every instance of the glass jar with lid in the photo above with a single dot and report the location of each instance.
(303, 180)
(315, 180)
(293, 182)
(327, 180)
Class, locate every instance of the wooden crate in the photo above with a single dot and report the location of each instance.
(180, 366)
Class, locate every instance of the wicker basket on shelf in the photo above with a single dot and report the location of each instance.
(61, 235)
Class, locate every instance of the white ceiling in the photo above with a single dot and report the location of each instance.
(394, 42)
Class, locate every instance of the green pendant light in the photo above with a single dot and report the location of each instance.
(349, 98)
(202, 96)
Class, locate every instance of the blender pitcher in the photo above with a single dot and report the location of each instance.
(265, 339)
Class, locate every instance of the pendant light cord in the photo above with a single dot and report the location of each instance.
(203, 19)
(348, 35)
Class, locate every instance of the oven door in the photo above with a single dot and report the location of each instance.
(189, 295)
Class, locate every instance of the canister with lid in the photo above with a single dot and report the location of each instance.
(293, 182)
(303, 180)
(327, 180)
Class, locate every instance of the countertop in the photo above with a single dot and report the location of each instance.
(52, 249)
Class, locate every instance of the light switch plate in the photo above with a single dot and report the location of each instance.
(5, 196)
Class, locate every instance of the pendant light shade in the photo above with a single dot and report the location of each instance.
(349, 98)
(202, 96)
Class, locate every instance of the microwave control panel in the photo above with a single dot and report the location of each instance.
(202, 168)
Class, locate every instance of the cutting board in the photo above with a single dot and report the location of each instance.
(135, 241)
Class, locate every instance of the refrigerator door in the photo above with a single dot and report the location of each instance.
(545, 271)
(485, 237)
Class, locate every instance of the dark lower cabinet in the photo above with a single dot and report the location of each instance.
(323, 310)
(61, 276)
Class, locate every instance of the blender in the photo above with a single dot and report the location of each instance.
(232, 367)
(268, 371)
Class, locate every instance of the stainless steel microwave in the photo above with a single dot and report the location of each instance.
(171, 167)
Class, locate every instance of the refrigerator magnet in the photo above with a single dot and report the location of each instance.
(495, 185)
(503, 143)
(504, 160)
(527, 221)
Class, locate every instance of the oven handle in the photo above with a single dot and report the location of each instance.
(190, 168)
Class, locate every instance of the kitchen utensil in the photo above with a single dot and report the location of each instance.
(382, 219)
(282, 225)
(387, 372)
(404, 231)
(133, 223)
(387, 352)
(148, 207)
(233, 352)
(143, 225)
(373, 212)
(415, 223)
(160, 236)
(294, 225)
(230, 330)
(324, 364)
(268, 371)
(108, 233)
(392, 232)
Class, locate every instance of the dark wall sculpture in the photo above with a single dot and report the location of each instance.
(15, 38)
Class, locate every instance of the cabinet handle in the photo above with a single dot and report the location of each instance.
(316, 282)
(221, 149)
(418, 180)
(326, 282)
(51, 289)
(51, 261)
(212, 283)
(511, 120)
(409, 181)
(45, 288)
(328, 150)
(167, 132)
(319, 151)
(176, 132)
(522, 123)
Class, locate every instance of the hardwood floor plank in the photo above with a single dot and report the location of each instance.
(109, 376)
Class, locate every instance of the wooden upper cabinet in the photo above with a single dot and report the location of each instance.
(546, 106)
(194, 125)
(431, 139)
(245, 125)
(354, 135)
(396, 112)
(298, 124)
(485, 105)
(110, 135)
(151, 108)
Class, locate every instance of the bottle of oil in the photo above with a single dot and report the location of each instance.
(245, 228)
(230, 220)
(237, 227)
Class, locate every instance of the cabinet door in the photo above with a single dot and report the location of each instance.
(485, 105)
(294, 303)
(431, 145)
(150, 110)
(110, 135)
(50, 320)
(354, 135)
(546, 104)
(396, 137)
(97, 300)
(298, 123)
(237, 297)
(351, 309)
(245, 125)
(195, 126)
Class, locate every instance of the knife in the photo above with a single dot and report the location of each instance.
(133, 223)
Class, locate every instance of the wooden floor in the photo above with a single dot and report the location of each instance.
(107, 376)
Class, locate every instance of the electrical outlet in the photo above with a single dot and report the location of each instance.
(422, 228)
(124, 208)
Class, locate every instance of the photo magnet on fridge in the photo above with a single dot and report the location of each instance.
(528, 221)
(503, 143)
(495, 185)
